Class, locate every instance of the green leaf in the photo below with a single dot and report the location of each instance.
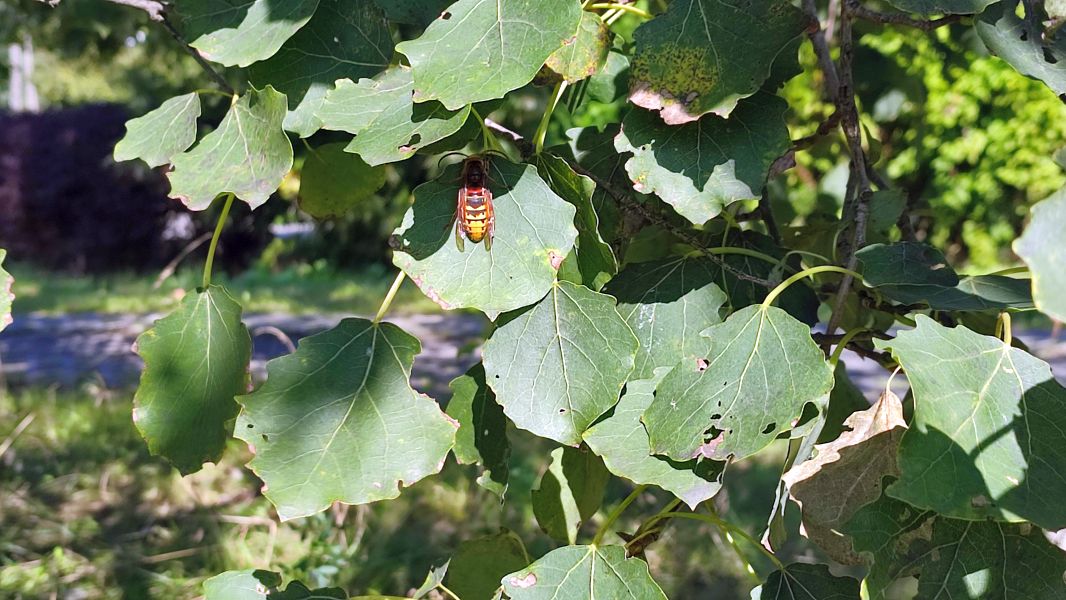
(845, 400)
(1004, 34)
(594, 151)
(413, 12)
(667, 303)
(248, 155)
(255, 584)
(534, 233)
(977, 293)
(387, 124)
(486, 49)
(689, 63)
(560, 365)
(338, 421)
(845, 475)
(569, 493)
(584, 573)
(622, 442)
(611, 81)
(986, 437)
(7, 297)
(584, 53)
(333, 181)
(195, 362)
(160, 134)
(893, 537)
(802, 581)
(905, 263)
(482, 435)
(344, 40)
(479, 564)
(241, 32)
(1042, 249)
(703, 167)
(941, 7)
(434, 578)
(762, 369)
(595, 260)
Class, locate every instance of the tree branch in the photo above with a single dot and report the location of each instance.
(154, 9)
(860, 11)
(206, 66)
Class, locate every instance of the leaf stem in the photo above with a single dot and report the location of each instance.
(647, 528)
(1003, 328)
(389, 297)
(210, 262)
(448, 592)
(721, 523)
(542, 129)
(640, 12)
(843, 344)
(1010, 271)
(617, 512)
(744, 252)
(806, 273)
(489, 140)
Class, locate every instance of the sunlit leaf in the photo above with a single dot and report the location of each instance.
(263, 585)
(802, 581)
(482, 435)
(584, 573)
(241, 32)
(702, 167)
(389, 126)
(7, 297)
(478, 565)
(1042, 248)
(195, 362)
(344, 40)
(986, 437)
(622, 442)
(905, 263)
(333, 181)
(485, 49)
(338, 421)
(160, 134)
(1005, 35)
(560, 365)
(534, 233)
(569, 493)
(414, 12)
(248, 155)
(762, 367)
(583, 54)
(689, 63)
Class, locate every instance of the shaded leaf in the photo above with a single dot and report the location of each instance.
(248, 155)
(940, 7)
(534, 233)
(801, 581)
(1004, 34)
(7, 297)
(610, 82)
(845, 400)
(195, 362)
(255, 584)
(434, 578)
(560, 365)
(668, 303)
(161, 133)
(622, 442)
(762, 368)
(338, 421)
(584, 53)
(569, 493)
(688, 64)
(482, 435)
(594, 150)
(344, 40)
(241, 32)
(584, 573)
(905, 263)
(414, 12)
(892, 536)
(486, 49)
(1042, 249)
(387, 124)
(703, 167)
(986, 437)
(977, 293)
(846, 474)
(479, 564)
(333, 181)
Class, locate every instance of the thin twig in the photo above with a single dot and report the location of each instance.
(173, 264)
(821, 51)
(860, 11)
(154, 9)
(200, 60)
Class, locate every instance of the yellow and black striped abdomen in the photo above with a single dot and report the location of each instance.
(476, 215)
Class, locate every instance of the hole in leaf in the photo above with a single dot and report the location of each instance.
(716, 416)
(701, 365)
(265, 438)
(562, 410)
(1049, 57)
(250, 426)
(446, 15)
(769, 428)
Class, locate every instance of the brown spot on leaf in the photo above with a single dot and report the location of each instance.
(431, 293)
(556, 259)
(707, 449)
(528, 581)
(701, 365)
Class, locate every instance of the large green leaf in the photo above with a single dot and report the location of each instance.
(7, 297)
(333, 181)
(478, 565)
(569, 493)
(761, 370)
(560, 365)
(160, 134)
(593, 257)
(905, 263)
(338, 421)
(1005, 35)
(344, 40)
(248, 155)
(241, 32)
(976, 293)
(583, 54)
(487, 48)
(482, 435)
(1042, 249)
(254, 584)
(940, 7)
(688, 62)
(414, 12)
(668, 303)
(622, 442)
(534, 233)
(389, 126)
(584, 573)
(702, 167)
(802, 581)
(611, 81)
(986, 437)
(892, 536)
(594, 151)
(195, 362)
